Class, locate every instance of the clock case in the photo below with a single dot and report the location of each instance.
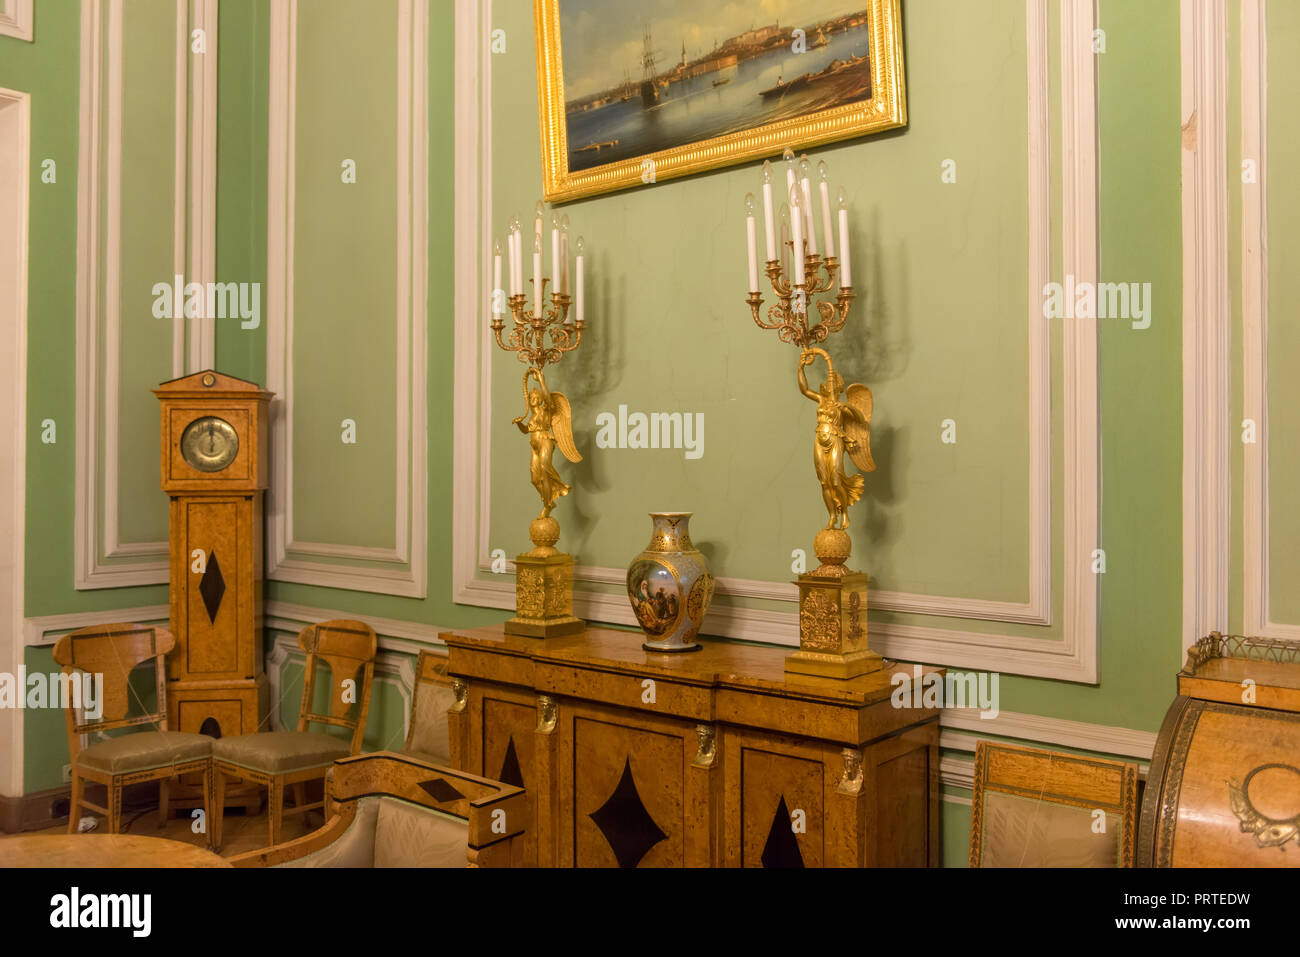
(216, 679)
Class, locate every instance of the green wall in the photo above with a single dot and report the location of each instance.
(938, 332)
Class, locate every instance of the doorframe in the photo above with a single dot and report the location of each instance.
(15, 153)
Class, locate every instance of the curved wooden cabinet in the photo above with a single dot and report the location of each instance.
(1224, 786)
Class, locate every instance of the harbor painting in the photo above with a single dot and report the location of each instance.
(641, 83)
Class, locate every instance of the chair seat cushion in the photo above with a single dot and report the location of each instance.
(410, 835)
(144, 750)
(276, 752)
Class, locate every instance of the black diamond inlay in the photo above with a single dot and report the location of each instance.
(625, 822)
(510, 772)
(440, 790)
(211, 587)
(782, 848)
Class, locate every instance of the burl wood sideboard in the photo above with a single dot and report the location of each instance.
(705, 759)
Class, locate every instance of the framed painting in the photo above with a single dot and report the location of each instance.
(640, 91)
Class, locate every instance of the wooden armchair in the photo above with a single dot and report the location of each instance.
(277, 759)
(111, 652)
(427, 734)
(393, 810)
(1034, 808)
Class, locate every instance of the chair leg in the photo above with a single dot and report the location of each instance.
(300, 798)
(207, 806)
(74, 805)
(164, 798)
(218, 808)
(275, 808)
(115, 806)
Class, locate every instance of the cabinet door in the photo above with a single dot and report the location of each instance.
(639, 797)
(776, 804)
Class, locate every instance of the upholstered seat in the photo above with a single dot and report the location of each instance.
(111, 652)
(390, 832)
(279, 759)
(144, 751)
(392, 810)
(275, 752)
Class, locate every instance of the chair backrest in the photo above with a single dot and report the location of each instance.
(431, 698)
(348, 648)
(110, 652)
(1034, 808)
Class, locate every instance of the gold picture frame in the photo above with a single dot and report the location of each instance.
(886, 109)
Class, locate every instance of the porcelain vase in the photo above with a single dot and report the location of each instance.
(669, 585)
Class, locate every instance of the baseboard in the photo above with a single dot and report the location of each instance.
(33, 812)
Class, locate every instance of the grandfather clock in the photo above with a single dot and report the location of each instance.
(214, 468)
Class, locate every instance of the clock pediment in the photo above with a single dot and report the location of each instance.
(209, 382)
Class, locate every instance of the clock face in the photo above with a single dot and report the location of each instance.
(209, 444)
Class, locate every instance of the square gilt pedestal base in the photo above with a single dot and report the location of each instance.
(544, 598)
(833, 628)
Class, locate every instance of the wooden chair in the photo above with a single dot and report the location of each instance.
(1035, 808)
(426, 734)
(393, 810)
(277, 759)
(112, 652)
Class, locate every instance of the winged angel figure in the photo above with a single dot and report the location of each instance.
(841, 427)
(548, 423)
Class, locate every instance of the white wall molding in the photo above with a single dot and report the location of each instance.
(47, 629)
(201, 87)
(16, 19)
(407, 637)
(15, 177)
(1072, 657)
(400, 570)
(956, 773)
(1059, 732)
(101, 558)
(1257, 612)
(1207, 316)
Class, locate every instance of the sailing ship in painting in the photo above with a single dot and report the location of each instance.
(758, 76)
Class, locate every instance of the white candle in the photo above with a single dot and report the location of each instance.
(519, 262)
(511, 252)
(564, 254)
(577, 281)
(497, 291)
(796, 226)
(555, 254)
(785, 241)
(788, 156)
(767, 210)
(809, 229)
(751, 234)
(827, 228)
(537, 276)
(805, 183)
(846, 278)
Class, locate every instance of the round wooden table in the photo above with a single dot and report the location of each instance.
(103, 850)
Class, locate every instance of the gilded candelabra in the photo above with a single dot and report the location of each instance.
(833, 598)
(543, 575)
